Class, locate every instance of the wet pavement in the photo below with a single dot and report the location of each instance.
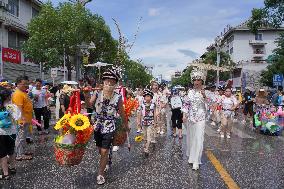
(252, 160)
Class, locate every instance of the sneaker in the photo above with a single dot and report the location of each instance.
(162, 132)
(244, 122)
(228, 136)
(213, 123)
(222, 135)
(153, 141)
(115, 148)
(218, 131)
(138, 131)
(100, 180)
(195, 166)
(107, 168)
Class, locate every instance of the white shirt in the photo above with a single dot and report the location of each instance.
(41, 101)
(228, 102)
(176, 102)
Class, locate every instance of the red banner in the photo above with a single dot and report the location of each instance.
(11, 55)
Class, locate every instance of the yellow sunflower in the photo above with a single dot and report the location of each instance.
(79, 122)
(139, 138)
(65, 119)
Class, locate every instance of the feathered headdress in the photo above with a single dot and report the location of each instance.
(198, 74)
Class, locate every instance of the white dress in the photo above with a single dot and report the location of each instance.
(195, 107)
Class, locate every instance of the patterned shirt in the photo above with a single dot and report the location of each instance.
(194, 106)
(147, 110)
(107, 112)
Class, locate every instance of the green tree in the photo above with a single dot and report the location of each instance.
(63, 28)
(225, 60)
(271, 15)
(184, 80)
(277, 63)
(136, 74)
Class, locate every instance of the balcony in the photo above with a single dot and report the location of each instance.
(258, 53)
(257, 42)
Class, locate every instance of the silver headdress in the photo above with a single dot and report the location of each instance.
(197, 74)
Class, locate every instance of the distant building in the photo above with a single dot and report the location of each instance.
(250, 51)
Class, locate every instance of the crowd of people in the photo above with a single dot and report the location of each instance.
(27, 104)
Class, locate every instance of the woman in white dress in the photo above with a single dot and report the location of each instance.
(194, 114)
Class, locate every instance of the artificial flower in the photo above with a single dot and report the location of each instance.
(138, 138)
(79, 122)
(61, 123)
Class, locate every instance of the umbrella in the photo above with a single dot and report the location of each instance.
(70, 82)
(98, 65)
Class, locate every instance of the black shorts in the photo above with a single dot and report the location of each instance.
(177, 118)
(7, 145)
(248, 109)
(103, 140)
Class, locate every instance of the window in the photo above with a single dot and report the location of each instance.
(12, 39)
(16, 40)
(13, 7)
(231, 50)
(258, 37)
(35, 12)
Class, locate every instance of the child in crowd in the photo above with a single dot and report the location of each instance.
(147, 117)
(9, 115)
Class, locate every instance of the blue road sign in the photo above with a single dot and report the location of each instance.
(277, 79)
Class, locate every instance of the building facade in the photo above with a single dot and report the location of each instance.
(249, 51)
(14, 18)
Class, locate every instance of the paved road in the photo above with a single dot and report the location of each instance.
(247, 160)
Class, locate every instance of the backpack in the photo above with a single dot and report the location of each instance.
(5, 121)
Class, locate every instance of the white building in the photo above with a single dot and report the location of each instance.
(250, 51)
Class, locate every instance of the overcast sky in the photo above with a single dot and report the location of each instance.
(172, 32)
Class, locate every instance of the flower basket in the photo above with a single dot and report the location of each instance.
(120, 135)
(69, 154)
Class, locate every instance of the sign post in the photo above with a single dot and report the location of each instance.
(277, 79)
(53, 72)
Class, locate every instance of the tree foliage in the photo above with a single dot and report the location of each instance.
(271, 15)
(225, 60)
(184, 80)
(65, 27)
(135, 74)
(277, 63)
(210, 58)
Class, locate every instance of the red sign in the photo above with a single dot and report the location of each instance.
(11, 55)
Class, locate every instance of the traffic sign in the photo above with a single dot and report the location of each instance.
(53, 72)
(277, 79)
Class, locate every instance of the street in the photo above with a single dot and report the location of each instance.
(247, 160)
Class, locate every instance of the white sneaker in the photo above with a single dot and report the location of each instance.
(244, 122)
(162, 132)
(138, 131)
(213, 123)
(115, 148)
(222, 135)
(228, 136)
(195, 166)
(100, 180)
(107, 168)
(218, 131)
(153, 141)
